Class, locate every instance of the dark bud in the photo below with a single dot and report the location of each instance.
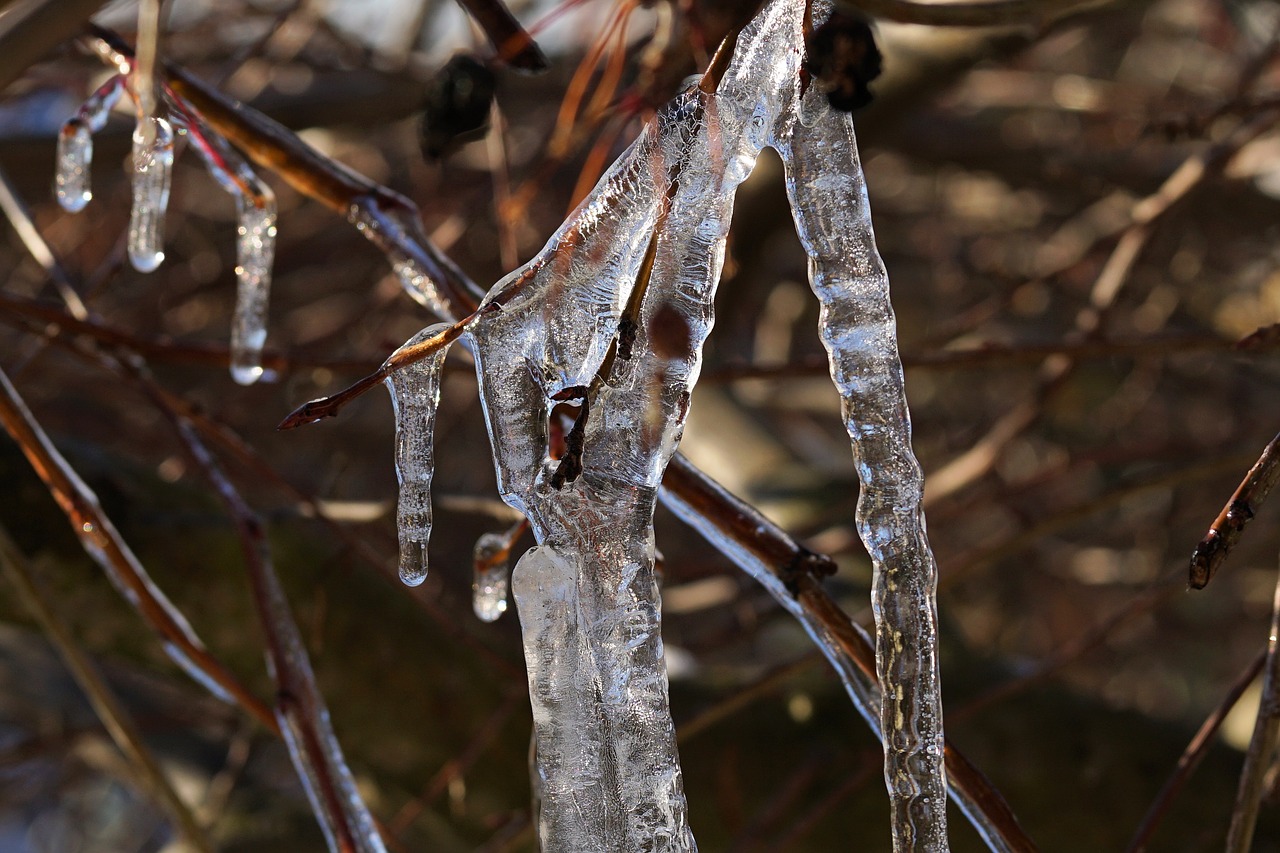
(456, 107)
(842, 57)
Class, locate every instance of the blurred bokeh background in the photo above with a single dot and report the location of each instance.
(1091, 361)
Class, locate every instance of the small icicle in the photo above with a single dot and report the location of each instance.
(75, 153)
(255, 251)
(152, 164)
(492, 576)
(415, 393)
(75, 146)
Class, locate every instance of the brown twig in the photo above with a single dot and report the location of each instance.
(513, 43)
(1227, 528)
(300, 708)
(1262, 745)
(104, 544)
(1192, 755)
(328, 407)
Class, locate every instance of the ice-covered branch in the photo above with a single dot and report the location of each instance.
(315, 175)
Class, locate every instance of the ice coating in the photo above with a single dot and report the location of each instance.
(255, 252)
(491, 578)
(152, 164)
(75, 146)
(612, 315)
(829, 203)
(415, 393)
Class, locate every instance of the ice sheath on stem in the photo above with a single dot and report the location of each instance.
(613, 314)
(75, 146)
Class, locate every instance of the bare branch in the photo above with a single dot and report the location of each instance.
(1227, 528)
(104, 544)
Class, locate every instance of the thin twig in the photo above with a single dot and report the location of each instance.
(328, 407)
(100, 539)
(1192, 755)
(114, 716)
(513, 43)
(300, 708)
(1227, 528)
(1262, 745)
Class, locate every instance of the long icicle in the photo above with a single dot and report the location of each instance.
(832, 216)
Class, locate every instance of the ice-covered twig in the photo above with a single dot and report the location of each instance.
(318, 177)
(790, 573)
(419, 348)
(99, 538)
(255, 241)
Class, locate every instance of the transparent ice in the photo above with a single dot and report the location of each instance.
(492, 577)
(75, 145)
(832, 216)
(611, 316)
(255, 243)
(415, 393)
(152, 165)
(255, 251)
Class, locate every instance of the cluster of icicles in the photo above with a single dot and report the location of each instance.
(152, 164)
(612, 315)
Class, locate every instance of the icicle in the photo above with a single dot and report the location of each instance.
(75, 153)
(492, 569)
(829, 204)
(255, 251)
(415, 392)
(255, 242)
(152, 163)
(75, 146)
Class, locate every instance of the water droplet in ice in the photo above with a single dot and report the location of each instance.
(255, 251)
(75, 154)
(152, 164)
(492, 577)
(415, 393)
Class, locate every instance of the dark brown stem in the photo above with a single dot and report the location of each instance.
(513, 43)
(1191, 756)
(1226, 529)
